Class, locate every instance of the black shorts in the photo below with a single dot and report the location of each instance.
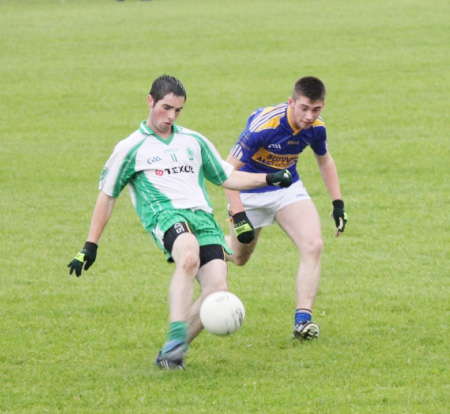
(207, 253)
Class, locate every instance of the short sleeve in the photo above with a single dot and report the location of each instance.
(319, 143)
(120, 168)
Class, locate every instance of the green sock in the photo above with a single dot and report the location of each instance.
(178, 330)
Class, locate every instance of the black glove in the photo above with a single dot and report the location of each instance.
(243, 228)
(339, 215)
(279, 179)
(87, 255)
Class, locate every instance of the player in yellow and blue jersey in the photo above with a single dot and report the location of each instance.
(272, 141)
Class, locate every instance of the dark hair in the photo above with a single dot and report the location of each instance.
(165, 85)
(311, 87)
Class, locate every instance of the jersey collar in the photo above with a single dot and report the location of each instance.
(290, 121)
(145, 129)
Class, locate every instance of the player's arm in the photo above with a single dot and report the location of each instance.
(243, 228)
(102, 212)
(233, 196)
(329, 173)
(239, 180)
(330, 177)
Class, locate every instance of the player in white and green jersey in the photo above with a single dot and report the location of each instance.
(165, 175)
(165, 167)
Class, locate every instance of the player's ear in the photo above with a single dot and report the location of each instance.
(150, 101)
(291, 101)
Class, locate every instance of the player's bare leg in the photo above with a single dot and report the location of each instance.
(300, 220)
(212, 278)
(241, 252)
(186, 254)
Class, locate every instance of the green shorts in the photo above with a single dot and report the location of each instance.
(202, 224)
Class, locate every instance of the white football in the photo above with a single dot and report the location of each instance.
(222, 313)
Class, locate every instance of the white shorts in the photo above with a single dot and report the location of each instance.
(262, 207)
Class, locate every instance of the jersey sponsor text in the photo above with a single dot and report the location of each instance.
(279, 161)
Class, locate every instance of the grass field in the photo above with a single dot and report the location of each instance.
(74, 79)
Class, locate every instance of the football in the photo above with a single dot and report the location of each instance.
(222, 313)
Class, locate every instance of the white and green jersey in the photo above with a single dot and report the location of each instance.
(164, 173)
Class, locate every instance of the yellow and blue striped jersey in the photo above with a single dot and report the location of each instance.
(270, 142)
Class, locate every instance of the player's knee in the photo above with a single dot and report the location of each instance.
(240, 259)
(318, 246)
(190, 261)
(314, 246)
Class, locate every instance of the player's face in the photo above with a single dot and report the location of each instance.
(164, 113)
(304, 111)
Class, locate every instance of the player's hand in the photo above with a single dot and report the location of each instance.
(340, 216)
(85, 257)
(243, 229)
(279, 179)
